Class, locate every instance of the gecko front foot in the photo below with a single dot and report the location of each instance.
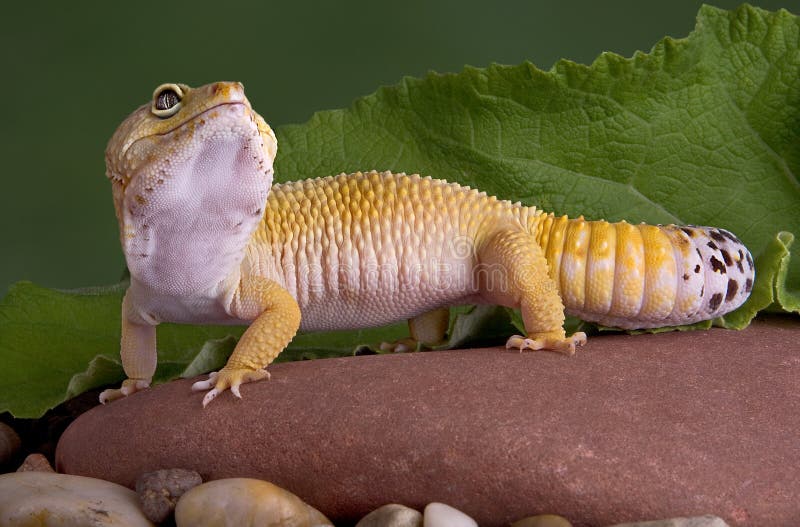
(548, 342)
(128, 387)
(227, 378)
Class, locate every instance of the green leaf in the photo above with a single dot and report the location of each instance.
(701, 130)
(56, 344)
(47, 337)
(475, 326)
(770, 289)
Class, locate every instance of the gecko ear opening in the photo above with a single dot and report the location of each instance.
(267, 136)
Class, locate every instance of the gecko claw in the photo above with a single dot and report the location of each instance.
(521, 343)
(210, 396)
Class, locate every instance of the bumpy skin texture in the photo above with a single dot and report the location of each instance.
(209, 240)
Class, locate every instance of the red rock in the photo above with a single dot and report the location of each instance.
(630, 428)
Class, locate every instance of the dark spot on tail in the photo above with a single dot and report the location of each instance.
(750, 261)
(702, 290)
(685, 276)
(716, 300)
(712, 245)
(689, 232)
(717, 266)
(733, 287)
(716, 235)
(748, 285)
(730, 236)
(697, 268)
(726, 257)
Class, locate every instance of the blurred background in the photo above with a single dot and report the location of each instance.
(73, 70)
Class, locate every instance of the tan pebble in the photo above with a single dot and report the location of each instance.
(244, 502)
(392, 515)
(46, 499)
(35, 463)
(542, 520)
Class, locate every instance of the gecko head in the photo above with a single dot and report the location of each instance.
(197, 156)
(177, 117)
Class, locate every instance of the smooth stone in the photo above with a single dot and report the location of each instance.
(36, 463)
(10, 444)
(244, 502)
(159, 491)
(695, 521)
(631, 427)
(542, 520)
(43, 499)
(443, 515)
(392, 515)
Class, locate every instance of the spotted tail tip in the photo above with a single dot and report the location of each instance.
(728, 269)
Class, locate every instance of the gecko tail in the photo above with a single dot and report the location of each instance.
(727, 268)
(643, 276)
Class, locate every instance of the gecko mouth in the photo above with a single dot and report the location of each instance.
(198, 115)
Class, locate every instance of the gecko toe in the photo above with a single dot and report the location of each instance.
(210, 396)
(515, 341)
(128, 387)
(201, 386)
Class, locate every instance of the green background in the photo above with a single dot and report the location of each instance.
(72, 71)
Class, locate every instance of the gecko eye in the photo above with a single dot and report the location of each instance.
(167, 100)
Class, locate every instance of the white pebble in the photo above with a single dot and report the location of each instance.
(441, 515)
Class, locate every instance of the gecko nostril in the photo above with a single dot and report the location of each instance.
(233, 91)
(221, 88)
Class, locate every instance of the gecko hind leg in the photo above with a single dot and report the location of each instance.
(427, 329)
(512, 271)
